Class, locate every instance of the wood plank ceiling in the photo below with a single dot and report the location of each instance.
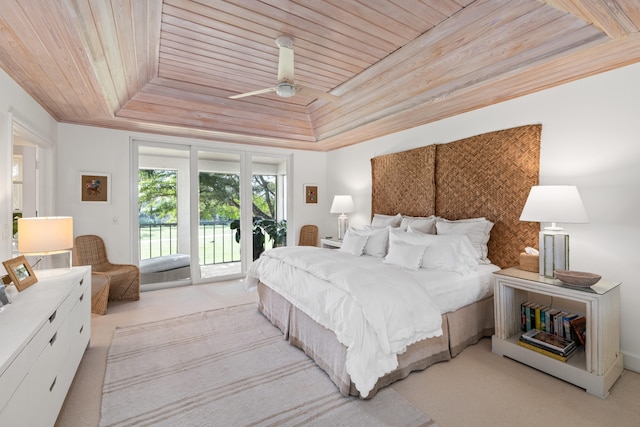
(169, 66)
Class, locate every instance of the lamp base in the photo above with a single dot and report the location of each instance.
(343, 225)
(554, 252)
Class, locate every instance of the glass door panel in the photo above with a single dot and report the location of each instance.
(219, 238)
(163, 214)
(269, 197)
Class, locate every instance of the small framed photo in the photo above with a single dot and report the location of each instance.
(95, 187)
(20, 272)
(310, 194)
(4, 297)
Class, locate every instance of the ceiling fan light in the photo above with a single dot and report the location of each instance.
(285, 90)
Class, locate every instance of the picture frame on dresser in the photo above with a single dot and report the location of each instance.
(20, 272)
(4, 298)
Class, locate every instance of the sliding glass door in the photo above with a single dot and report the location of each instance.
(199, 208)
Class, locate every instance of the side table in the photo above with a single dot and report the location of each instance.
(330, 243)
(596, 367)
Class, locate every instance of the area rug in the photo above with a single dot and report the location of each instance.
(230, 367)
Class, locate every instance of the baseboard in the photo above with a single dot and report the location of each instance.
(631, 362)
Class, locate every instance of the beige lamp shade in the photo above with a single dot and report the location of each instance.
(45, 235)
(342, 204)
(554, 203)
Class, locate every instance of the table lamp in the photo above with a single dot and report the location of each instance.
(45, 236)
(342, 204)
(554, 203)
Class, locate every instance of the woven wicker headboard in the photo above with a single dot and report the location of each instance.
(487, 175)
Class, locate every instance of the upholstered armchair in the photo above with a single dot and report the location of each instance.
(124, 279)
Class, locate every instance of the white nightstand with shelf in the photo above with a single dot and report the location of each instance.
(330, 243)
(594, 368)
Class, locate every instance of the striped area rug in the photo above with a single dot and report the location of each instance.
(230, 367)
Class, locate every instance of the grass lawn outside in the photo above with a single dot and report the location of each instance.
(217, 243)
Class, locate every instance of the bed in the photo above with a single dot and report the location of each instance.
(459, 185)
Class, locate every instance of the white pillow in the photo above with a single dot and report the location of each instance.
(476, 229)
(353, 243)
(380, 220)
(422, 224)
(405, 255)
(442, 252)
(396, 234)
(452, 252)
(377, 242)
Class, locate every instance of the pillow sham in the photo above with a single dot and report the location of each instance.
(452, 252)
(380, 220)
(353, 243)
(422, 224)
(476, 229)
(405, 255)
(377, 240)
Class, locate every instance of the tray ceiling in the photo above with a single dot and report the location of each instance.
(170, 66)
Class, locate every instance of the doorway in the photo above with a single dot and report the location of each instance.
(204, 214)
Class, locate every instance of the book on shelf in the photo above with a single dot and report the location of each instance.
(545, 351)
(579, 329)
(566, 321)
(548, 348)
(557, 323)
(549, 341)
(551, 314)
(550, 320)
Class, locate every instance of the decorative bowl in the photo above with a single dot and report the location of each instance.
(577, 278)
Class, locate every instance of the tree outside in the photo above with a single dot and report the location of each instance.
(219, 203)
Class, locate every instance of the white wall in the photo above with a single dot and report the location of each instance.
(84, 148)
(25, 109)
(17, 105)
(590, 138)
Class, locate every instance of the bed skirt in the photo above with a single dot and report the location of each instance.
(460, 329)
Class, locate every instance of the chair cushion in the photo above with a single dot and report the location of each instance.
(164, 263)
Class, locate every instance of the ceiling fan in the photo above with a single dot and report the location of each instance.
(286, 87)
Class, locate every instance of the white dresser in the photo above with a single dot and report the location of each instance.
(43, 335)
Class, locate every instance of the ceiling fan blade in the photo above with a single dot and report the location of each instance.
(315, 93)
(255, 92)
(285, 65)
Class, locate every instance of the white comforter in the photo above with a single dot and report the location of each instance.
(375, 310)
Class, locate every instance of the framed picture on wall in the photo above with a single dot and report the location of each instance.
(95, 187)
(311, 194)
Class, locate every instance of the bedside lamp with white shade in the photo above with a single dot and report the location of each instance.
(554, 203)
(45, 235)
(342, 204)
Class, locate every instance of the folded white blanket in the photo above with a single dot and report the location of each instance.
(376, 310)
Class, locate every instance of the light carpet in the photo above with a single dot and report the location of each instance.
(230, 367)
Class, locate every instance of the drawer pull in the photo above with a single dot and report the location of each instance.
(81, 281)
(53, 338)
(81, 297)
(81, 329)
(52, 317)
(53, 384)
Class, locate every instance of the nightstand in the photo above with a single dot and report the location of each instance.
(330, 243)
(595, 367)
